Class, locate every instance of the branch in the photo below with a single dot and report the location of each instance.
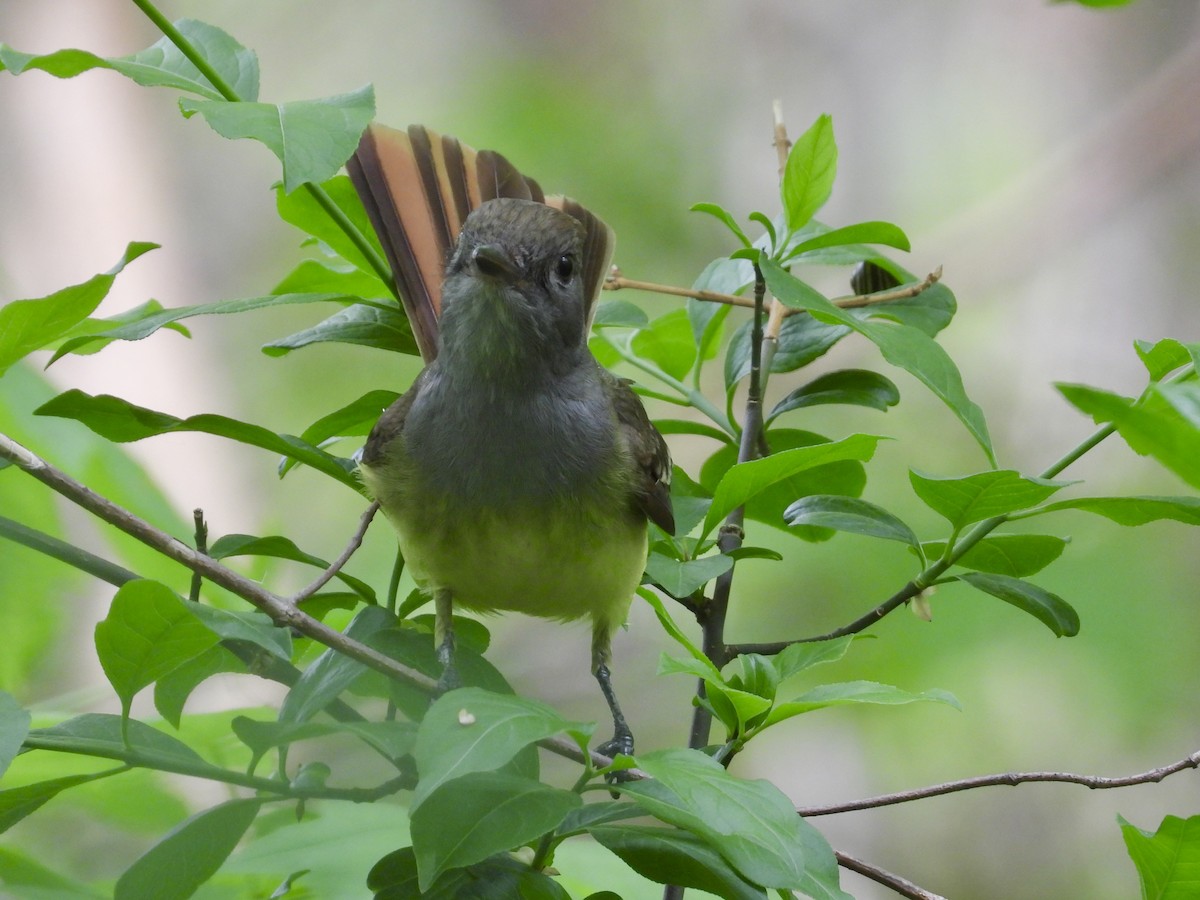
(280, 611)
(901, 886)
(336, 565)
(616, 282)
(1093, 782)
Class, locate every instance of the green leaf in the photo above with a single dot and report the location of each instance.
(471, 818)
(391, 739)
(746, 480)
(28, 325)
(672, 856)
(685, 426)
(161, 65)
(26, 877)
(279, 547)
(850, 514)
(723, 216)
(809, 173)
(973, 498)
(248, 626)
(333, 277)
(1163, 357)
(189, 855)
(853, 693)
(590, 815)
(121, 421)
(619, 314)
(668, 342)
(1130, 511)
(1054, 612)
(107, 736)
(14, 725)
(1168, 860)
(172, 690)
(367, 326)
(681, 578)
(148, 632)
(797, 658)
(902, 345)
(1016, 555)
(856, 387)
(1152, 428)
(301, 209)
(473, 730)
(862, 233)
(751, 824)
(312, 138)
(708, 671)
(332, 672)
(499, 878)
(802, 339)
(153, 320)
(17, 803)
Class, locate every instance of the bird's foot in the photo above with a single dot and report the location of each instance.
(621, 744)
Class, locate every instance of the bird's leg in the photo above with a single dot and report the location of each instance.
(443, 635)
(622, 739)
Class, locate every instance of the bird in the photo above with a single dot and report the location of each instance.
(519, 474)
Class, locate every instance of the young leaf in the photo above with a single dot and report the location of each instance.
(854, 692)
(14, 725)
(472, 730)
(1162, 357)
(28, 325)
(1168, 861)
(301, 209)
(673, 856)
(722, 215)
(667, 341)
(367, 326)
(973, 498)
(1054, 612)
(863, 233)
(850, 514)
(146, 325)
(1130, 511)
(746, 480)
(856, 387)
(312, 138)
(189, 855)
(901, 345)
(1153, 428)
(161, 65)
(681, 578)
(121, 421)
(478, 815)
(798, 657)
(148, 632)
(809, 173)
(707, 670)
(751, 824)
(1015, 555)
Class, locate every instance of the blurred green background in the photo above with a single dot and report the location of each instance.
(1047, 156)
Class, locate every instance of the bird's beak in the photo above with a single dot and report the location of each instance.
(492, 261)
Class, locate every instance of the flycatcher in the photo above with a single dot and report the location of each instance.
(519, 474)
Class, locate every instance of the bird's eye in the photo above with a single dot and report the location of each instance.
(564, 268)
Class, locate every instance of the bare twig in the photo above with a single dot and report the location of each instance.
(1094, 782)
(782, 143)
(901, 886)
(201, 547)
(336, 565)
(616, 282)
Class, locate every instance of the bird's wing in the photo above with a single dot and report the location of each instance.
(652, 486)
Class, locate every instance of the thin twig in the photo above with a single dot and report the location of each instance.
(901, 886)
(201, 547)
(1094, 782)
(336, 566)
(616, 282)
(783, 144)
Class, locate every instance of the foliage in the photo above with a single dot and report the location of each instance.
(479, 821)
